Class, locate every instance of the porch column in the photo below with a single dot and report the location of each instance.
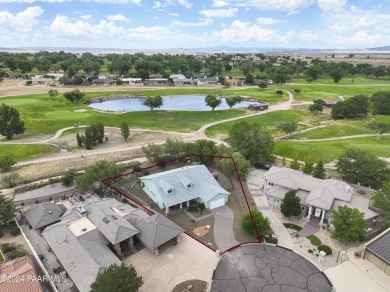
(322, 217)
(131, 243)
(178, 239)
(181, 206)
(117, 247)
(188, 204)
(156, 251)
(309, 215)
(166, 210)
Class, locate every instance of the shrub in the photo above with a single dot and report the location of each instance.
(325, 248)
(193, 209)
(15, 231)
(7, 248)
(192, 221)
(310, 251)
(15, 254)
(279, 92)
(292, 226)
(146, 172)
(314, 240)
(297, 235)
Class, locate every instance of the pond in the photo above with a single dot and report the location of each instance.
(171, 102)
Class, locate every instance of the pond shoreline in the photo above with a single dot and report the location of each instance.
(112, 97)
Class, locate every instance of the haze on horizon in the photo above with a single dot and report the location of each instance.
(162, 24)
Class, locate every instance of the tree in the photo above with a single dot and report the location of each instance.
(297, 90)
(154, 153)
(279, 92)
(52, 93)
(262, 223)
(74, 95)
(68, 177)
(10, 180)
(363, 167)
(204, 147)
(308, 167)
(336, 74)
(356, 106)
(291, 204)
(381, 200)
(349, 224)
(6, 163)
(232, 101)
(212, 101)
(295, 164)
(96, 172)
(379, 127)
(249, 79)
(80, 139)
(10, 123)
(288, 127)
(125, 131)
(242, 165)
(316, 108)
(119, 279)
(313, 72)
(262, 85)
(381, 102)
(319, 170)
(253, 141)
(7, 211)
(153, 102)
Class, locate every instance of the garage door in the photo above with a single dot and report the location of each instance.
(217, 203)
(374, 259)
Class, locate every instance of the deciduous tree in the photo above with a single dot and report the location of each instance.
(349, 225)
(153, 102)
(7, 211)
(74, 95)
(125, 131)
(6, 163)
(232, 101)
(288, 127)
(381, 200)
(212, 101)
(262, 223)
(379, 127)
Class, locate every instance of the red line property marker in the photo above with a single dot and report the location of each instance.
(163, 163)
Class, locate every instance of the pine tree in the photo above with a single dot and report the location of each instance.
(291, 204)
(79, 140)
(319, 170)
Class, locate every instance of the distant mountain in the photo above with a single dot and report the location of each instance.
(385, 48)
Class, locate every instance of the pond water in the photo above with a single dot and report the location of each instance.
(171, 102)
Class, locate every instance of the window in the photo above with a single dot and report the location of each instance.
(270, 184)
(276, 200)
(302, 208)
(189, 185)
(170, 191)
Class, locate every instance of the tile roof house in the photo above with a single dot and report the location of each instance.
(86, 235)
(377, 251)
(44, 214)
(22, 270)
(179, 186)
(318, 196)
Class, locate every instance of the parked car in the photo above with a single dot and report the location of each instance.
(263, 165)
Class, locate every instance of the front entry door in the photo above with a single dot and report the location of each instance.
(318, 212)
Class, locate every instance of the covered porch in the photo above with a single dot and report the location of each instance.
(316, 213)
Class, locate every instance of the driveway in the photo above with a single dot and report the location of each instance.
(255, 185)
(187, 260)
(223, 228)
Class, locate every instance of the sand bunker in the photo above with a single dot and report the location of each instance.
(80, 110)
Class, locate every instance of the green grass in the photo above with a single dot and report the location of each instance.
(345, 81)
(292, 226)
(25, 152)
(1, 258)
(314, 240)
(270, 120)
(329, 150)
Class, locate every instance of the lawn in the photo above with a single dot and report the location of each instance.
(329, 150)
(292, 226)
(345, 81)
(46, 115)
(314, 240)
(25, 152)
(1, 258)
(269, 120)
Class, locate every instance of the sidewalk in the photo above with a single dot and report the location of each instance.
(255, 184)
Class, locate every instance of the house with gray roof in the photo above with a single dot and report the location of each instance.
(89, 237)
(318, 196)
(43, 215)
(377, 251)
(181, 186)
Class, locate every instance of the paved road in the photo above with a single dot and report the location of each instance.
(223, 228)
(255, 184)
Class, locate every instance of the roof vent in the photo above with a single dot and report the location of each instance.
(50, 212)
(106, 220)
(84, 229)
(122, 209)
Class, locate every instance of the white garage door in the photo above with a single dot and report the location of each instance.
(217, 203)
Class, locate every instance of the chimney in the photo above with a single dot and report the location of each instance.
(82, 211)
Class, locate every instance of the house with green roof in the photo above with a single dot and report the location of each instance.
(178, 188)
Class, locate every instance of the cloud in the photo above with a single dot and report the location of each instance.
(63, 1)
(290, 6)
(219, 3)
(269, 21)
(173, 14)
(185, 3)
(22, 22)
(331, 6)
(157, 4)
(164, 3)
(230, 12)
(117, 17)
(88, 16)
(201, 23)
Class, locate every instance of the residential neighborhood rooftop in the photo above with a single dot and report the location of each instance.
(44, 214)
(380, 246)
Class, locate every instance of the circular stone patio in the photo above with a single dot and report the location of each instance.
(267, 268)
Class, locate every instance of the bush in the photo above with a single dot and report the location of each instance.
(279, 92)
(146, 172)
(193, 209)
(192, 221)
(310, 251)
(15, 231)
(15, 254)
(292, 226)
(7, 248)
(314, 240)
(297, 235)
(325, 248)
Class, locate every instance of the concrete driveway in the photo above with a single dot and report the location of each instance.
(187, 260)
(255, 185)
(223, 228)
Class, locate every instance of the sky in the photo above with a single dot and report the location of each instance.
(164, 24)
